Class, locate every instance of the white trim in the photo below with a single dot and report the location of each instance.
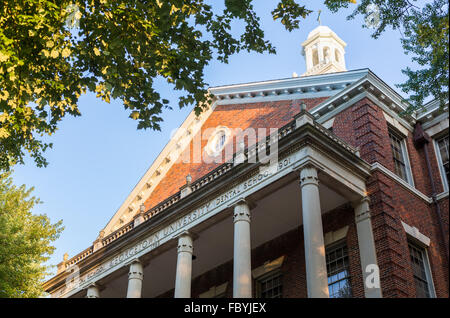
(405, 155)
(268, 267)
(408, 163)
(328, 102)
(442, 195)
(429, 109)
(416, 234)
(334, 236)
(406, 185)
(274, 97)
(365, 94)
(395, 123)
(440, 163)
(329, 123)
(214, 291)
(290, 83)
(429, 275)
(437, 121)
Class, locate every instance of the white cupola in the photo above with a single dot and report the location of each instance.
(324, 52)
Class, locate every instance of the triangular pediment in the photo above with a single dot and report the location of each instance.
(268, 104)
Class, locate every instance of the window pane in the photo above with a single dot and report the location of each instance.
(444, 154)
(338, 274)
(270, 286)
(418, 264)
(398, 156)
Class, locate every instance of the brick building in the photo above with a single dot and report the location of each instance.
(310, 186)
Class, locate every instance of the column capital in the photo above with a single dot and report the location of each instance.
(241, 211)
(309, 175)
(136, 270)
(93, 291)
(185, 242)
(362, 209)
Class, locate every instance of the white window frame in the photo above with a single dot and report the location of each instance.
(409, 175)
(426, 260)
(339, 243)
(440, 163)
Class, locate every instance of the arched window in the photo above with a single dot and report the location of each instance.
(315, 57)
(326, 54)
(337, 56)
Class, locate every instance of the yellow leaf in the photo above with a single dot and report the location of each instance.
(54, 54)
(96, 51)
(3, 133)
(3, 57)
(65, 52)
(134, 115)
(50, 44)
(4, 95)
(3, 117)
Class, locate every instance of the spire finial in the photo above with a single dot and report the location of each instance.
(318, 17)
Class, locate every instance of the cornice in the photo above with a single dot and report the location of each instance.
(431, 110)
(377, 166)
(298, 86)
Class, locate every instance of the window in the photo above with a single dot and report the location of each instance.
(270, 285)
(337, 56)
(338, 273)
(443, 154)
(315, 57)
(326, 54)
(421, 271)
(401, 164)
(217, 141)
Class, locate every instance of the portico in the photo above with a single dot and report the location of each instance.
(226, 218)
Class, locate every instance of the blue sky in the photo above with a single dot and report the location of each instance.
(99, 157)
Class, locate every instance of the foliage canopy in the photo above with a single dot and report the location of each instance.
(25, 241)
(51, 52)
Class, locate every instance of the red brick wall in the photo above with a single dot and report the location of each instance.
(363, 125)
(253, 115)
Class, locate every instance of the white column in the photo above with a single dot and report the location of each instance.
(316, 270)
(242, 268)
(184, 266)
(93, 292)
(135, 277)
(367, 252)
(320, 52)
(309, 59)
